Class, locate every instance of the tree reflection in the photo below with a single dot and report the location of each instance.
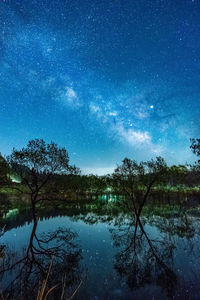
(52, 257)
(144, 260)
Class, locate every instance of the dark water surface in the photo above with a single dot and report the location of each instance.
(101, 256)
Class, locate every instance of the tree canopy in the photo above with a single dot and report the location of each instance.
(195, 146)
(137, 179)
(38, 162)
(3, 171)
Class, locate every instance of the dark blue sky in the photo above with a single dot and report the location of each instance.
(104, 78)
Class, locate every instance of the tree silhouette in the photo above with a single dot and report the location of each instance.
(195, 146)
(3, 171)
(136, 180)
(36, 165)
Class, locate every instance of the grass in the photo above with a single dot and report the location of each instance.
(44, 292)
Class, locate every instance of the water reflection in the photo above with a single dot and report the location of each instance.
(144, 260)
(148, 257)
(52, 257)
(154, 254)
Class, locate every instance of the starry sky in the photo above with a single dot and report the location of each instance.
(104, 78)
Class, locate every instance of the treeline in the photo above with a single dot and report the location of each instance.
(44, 169)
(176, 178)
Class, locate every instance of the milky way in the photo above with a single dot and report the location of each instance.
(106, 79)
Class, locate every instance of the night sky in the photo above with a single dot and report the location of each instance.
(104, 78)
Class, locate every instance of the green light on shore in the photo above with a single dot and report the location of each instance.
(104, 197)
(110, 198)
(15, 179)
(11, 213)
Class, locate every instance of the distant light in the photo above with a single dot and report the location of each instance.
(11, 212)
(15, 179)
(151, 106)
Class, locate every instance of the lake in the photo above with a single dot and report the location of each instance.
(92, 253)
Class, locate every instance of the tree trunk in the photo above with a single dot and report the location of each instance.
(33, 209)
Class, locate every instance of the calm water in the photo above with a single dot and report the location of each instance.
(101, 256)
